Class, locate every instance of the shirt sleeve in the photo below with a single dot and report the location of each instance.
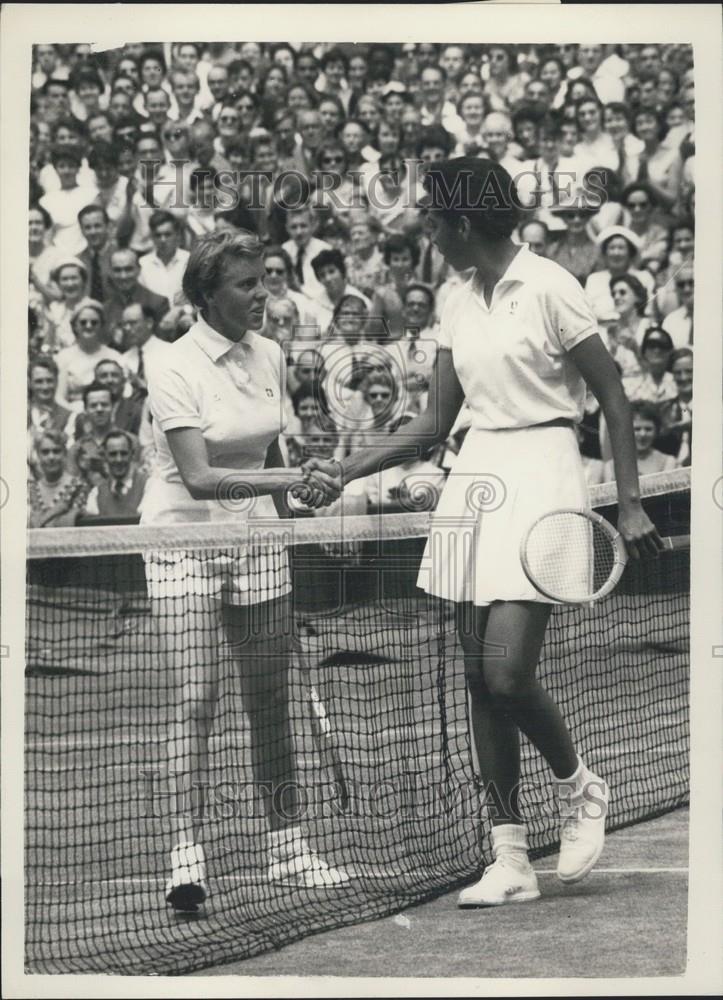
(91, 504)
(445, 323)
(571, 316)
(173, 402)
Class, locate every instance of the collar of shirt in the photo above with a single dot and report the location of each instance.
(518, 270)
(215, 345)
(126, 483)
(176, 260)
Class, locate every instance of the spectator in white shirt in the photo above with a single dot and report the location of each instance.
(186, 95)
(434, 110)
(302, 247)
(218, 85)
(67, 132)
(330, 271)
(497, 135)
(679, 323)
(161, 271)
(63, 206)
(147, 351)
(590, 65)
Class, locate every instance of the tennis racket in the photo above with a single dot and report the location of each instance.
(576, 556)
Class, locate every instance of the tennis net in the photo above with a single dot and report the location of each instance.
(382, 782)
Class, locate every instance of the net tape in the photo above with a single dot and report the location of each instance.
(44, 543)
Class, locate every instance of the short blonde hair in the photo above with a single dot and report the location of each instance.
(206, 264)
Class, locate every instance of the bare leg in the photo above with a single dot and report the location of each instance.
(506, 697)
(191, 632)
(260, 637)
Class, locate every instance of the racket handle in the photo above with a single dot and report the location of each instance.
(676, 542)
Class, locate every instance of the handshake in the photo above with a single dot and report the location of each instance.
(321, 485)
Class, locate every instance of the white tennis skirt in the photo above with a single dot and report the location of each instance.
(501, 482)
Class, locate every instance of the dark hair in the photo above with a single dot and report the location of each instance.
(349, 297)
(96, 386)
(436, 137)
(611, 183)
(55, 81)
(329, 258)
(397, 243)
(278, 251)
(684, 222)
(205, 266)
(85, 74)
(334, 54)
(282, 47)
(657, 115)
(527, 113)
(155, 54)
(66, 152)
(620, 109)
(656, 333)
(331, 146)
(417, 286)
(91, 210)
(552, 59)
(47, 221)
(70, 123)
(636, 287)
(102, 154)
(43, 361)
(646, 411)
(160, 217)
(550, 125)
(315, 391)
(487, 198)
(646, 190)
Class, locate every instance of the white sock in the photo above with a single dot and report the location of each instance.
(574, 786)
(510, 840)
(186, 854)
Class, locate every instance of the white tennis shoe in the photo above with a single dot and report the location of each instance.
(505, 881)
(583, 800)
(186, 889)
(294, 862)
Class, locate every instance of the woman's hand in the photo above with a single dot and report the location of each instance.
(323, 476)
(639, 533)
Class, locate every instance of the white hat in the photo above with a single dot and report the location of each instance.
(627, 234)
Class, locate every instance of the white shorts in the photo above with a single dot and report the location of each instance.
(500, 483)
(231, 576)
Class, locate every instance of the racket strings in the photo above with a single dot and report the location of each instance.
(569, 556)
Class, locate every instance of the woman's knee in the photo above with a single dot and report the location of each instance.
(507, 685)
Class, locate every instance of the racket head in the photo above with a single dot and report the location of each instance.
(573, 556)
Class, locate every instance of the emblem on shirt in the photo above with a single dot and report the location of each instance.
(270, 393)
(513, 307)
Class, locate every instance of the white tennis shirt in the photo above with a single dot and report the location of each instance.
(234, 394)
(511, 357)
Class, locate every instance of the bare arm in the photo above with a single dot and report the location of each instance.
(598, 369)
(429, 428)
(275, 460)
(205, 482)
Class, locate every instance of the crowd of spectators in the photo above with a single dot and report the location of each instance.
(320, 149)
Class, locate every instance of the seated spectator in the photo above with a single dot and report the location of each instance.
(640, 201)
(330, 271)
(98, 233)
(44, 412)
(112, 185)
(63, 205)
(43, 259)
(526, 131)
(679, 323)
(161, 270)
(681, 235)
(676, 415)
(414, 485)
(646, 428)
(76, 364)
(70, 277)
(309, 407)
(617, 123)
(573, 249)
(619, 247)
(414, 355)
(302, 247)
(606, 187)
(146, 353)
(401, 256)
(66, 132)
(630, 300)
(471, 110)
(504, 86)
(57, 496)
(537, 236)
(125, 288)
(365, 266)
(551, 177)
(659, 166)
(655, 384)
(497, 136)
(345, 350)
(280, 283)
(121, 494)
(625, 357)
(126, 397)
